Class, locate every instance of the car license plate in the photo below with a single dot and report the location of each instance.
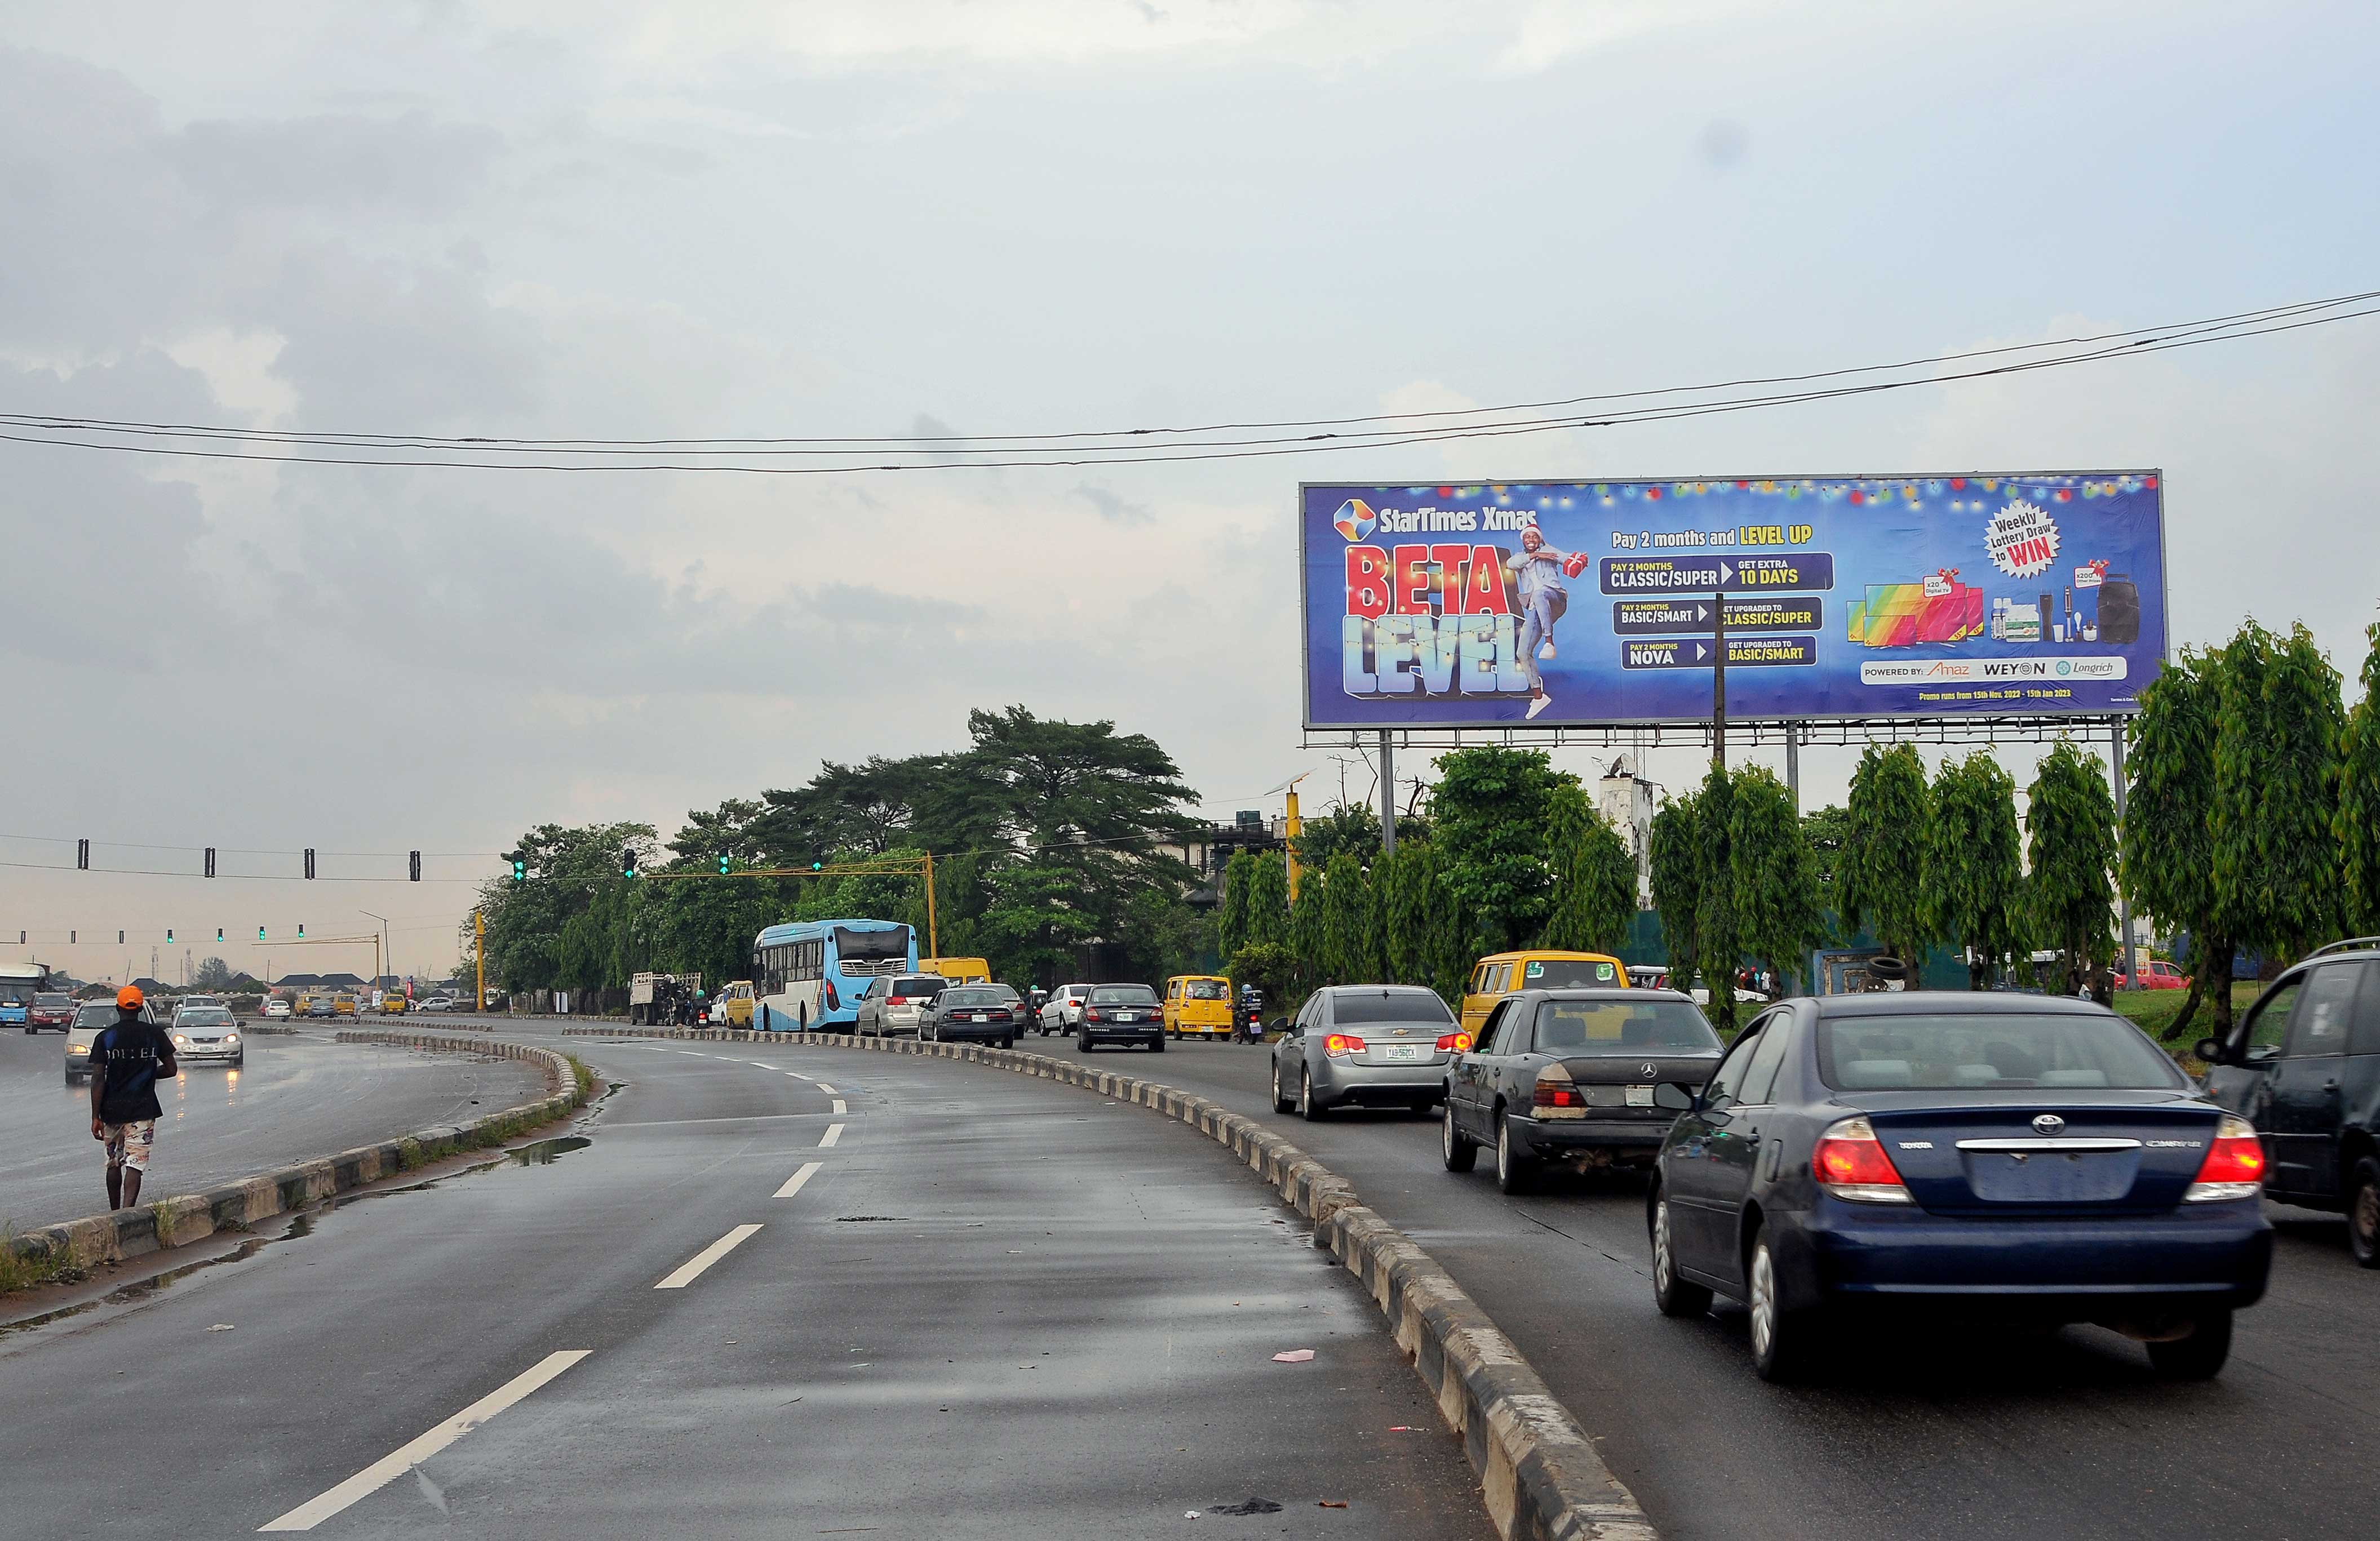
(981, 1016)
(1127, 1016)
(1403, 1053)
(1639, 1097)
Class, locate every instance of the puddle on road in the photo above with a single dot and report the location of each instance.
(301, 1224)
(546, 1152)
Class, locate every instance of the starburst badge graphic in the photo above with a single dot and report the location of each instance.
(1355, 519)
(2022, 539)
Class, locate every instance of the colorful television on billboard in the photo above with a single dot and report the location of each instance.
(1555, 603)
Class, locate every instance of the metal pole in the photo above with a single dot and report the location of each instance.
(1388, 795)
(2123, 904)
(479, 947)
(1794, 763)
(1719, 681)
(933, 936)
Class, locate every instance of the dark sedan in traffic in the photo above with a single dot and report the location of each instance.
(2018, 1156)
(1569, 1076)
(973, 1014)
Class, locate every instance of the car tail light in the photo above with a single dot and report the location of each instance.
(1555, 1096)
(1850, 1162)
(1089, 1014)
(2234, 1167)
(833, 1000)
(896, 1001)
(1338, 1046)
(1454, 1043)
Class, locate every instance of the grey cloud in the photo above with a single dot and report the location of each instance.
(409, 163)
(1114, 508)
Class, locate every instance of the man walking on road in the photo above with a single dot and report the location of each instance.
(126, 1061)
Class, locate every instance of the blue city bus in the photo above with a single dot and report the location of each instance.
(809, 974)
(19, 984)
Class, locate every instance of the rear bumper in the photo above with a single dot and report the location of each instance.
(976, 1032)
(1338, 1084)
(1553, 1138)
(2198, 1255)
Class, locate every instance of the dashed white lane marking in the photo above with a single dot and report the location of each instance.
(794, 1183)
(839, 1106)
(312, 1513)
(833, 1134)
(692, 1267)
(798, 1075)
(824, 1088)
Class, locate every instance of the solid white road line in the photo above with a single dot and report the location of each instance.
(306, 1516)
(794, 1183)
(833, 1132)
(694, 1266)
(839, 1106)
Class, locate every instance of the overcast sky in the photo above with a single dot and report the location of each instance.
(878, 216)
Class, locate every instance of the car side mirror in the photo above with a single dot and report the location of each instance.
(1677, 1097)
(2259, 1053)
(2209, 1049)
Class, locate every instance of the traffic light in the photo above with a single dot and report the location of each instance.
(259, 933)
(211, 861)
(520, 865)
(629, 863)
(310, 861)
(416, 866)
(169, 936)
(82, 855)
(818, 867)
(301, 929)
(723, 864)
(218, 933)
(119, 939)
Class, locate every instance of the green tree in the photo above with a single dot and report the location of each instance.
(1347, 950)
(1308, 937)
(1780, 907)
(1231, 914)
(2071, 820)
(1492, 812)
(1717, 921)
(1880, 879)
(1403, 887)
(1268, 965)
(1267, 905)
(1677, 881)
(2358, 819)
(1823, 831)
(2168, 840)
(1593, 900)
(1974, 865)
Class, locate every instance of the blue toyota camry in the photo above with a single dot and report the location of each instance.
(1938, 1151)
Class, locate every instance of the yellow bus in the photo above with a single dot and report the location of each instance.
(1500, 974)
(1198, 1006)
(958, 971)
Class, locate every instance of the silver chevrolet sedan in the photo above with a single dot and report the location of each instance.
(1370, 1045)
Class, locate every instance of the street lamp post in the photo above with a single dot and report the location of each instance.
(381, 949)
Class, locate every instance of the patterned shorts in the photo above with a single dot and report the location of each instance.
(129, 1144)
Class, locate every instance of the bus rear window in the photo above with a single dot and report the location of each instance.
(871, 946)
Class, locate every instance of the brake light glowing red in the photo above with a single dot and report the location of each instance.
(1089, 1014)
(1454, 1043)
(1338, 1046)
(1850, 1162)
(1557, 1094)
(2234, 1167)
(897, 1001)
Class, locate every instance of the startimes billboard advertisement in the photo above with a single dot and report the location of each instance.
(1493, 604)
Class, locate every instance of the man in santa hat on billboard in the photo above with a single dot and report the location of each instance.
(1539, 569)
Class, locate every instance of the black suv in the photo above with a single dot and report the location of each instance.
(2303, 1066)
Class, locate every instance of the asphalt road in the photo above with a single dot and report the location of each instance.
(993, 1307)
(296, 1098)
(1949, 1435)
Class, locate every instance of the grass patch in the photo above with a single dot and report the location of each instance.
(583, 1077)
(20, 1271)
(2154, 1011)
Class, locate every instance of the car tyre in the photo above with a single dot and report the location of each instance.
(1156, 1044)
(1307, 1108)
(1280, 1104)
(1084, 1046)
(1455, 1146)
(1784, 1343)
(2199, 1356)
(1516, 1170)
(2363, 1213)
(1672, 1296)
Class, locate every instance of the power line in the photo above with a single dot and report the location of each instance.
(1152, 445)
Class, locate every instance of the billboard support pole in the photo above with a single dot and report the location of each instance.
(1794, 763)
(2123, 900)
(1719, 682)
(1388, 795)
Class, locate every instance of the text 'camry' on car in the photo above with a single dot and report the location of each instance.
(1930, 1153)
(1568, 1075)
(894, 1004)
(974, 1013)
(1365, 1046)
(208, 1035)
(1122, 1014)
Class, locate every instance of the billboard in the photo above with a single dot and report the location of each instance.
(1494, 604)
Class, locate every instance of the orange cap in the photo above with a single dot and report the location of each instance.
(128, 999)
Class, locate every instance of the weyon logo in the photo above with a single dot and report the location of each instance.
(1355, 519)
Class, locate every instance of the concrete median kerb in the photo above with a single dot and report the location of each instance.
(46, 1251)
(1540, 1474)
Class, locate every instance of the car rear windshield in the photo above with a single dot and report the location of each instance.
(1622, 1028)
(977, 995)
(919, 984)
(1567, 974)
(1986, 1051)
(1204, 989)
(1354, 1007)
(1123, 995)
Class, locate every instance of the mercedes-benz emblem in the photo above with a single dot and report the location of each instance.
(1649, 1070)
(2047, 1125)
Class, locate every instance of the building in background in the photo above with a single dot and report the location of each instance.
(1626, 799)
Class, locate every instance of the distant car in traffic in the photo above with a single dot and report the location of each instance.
(1568, 1075)
(1122, 1014)
(276, 1007)
(892, 1004)
(1198, 1006)
(1500, 974)
(1648, 976)
(1946, 1152)
(974, 1013)
(207, 1035)
(434, 1003)
(343, 1004)
(2156, 974)
(1365, 1046)
(2303, 1066)
(50, 1009)
(186, 1002)
(1062, 1011)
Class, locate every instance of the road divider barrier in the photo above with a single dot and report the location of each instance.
(1540, 1475)
(178, 1221)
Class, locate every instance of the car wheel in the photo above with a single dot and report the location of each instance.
(2199, 1356)
(1672, 1296)
(2363, 1213)
(1455, 1146)
(1516, 1170)
(1280, 1104)
(238, 1062)
(1156, 1044)
(1307, 1108)
(1783, 1342)
(1085, 1045)
(70, 1078)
